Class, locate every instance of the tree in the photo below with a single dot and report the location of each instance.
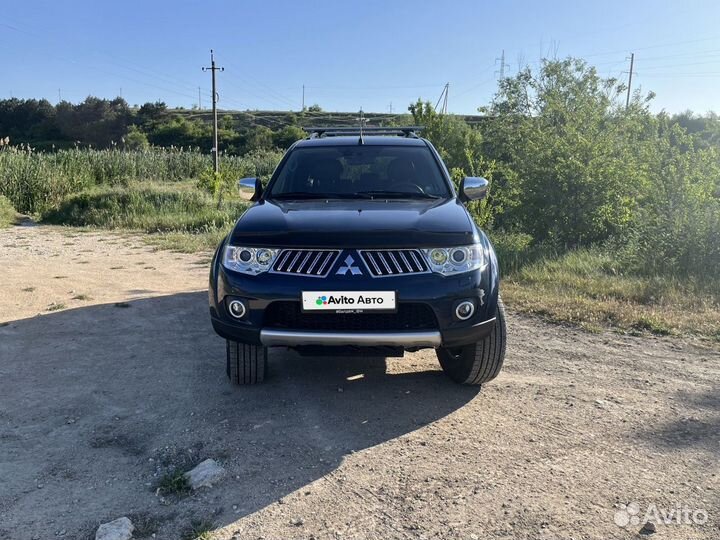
(95, 121)
(570, 152)
(29, 121)
(135, 139)
(150, 115)
(261, 138)
(182, 132)
(705, 130)
(287, 136)
(460, 146)
(227, 122)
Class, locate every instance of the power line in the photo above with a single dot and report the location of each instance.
(662, 66)
(658, 46)
(346, 88)
(268, 92)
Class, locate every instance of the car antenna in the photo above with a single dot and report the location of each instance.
(362, 121)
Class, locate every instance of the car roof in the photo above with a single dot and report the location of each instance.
(353, 140)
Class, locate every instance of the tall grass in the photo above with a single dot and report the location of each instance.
(147, 206)
(7, 213)
(37, 181)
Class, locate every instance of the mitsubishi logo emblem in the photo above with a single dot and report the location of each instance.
(349, 266)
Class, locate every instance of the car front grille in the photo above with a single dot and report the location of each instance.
(409, 316)
(394, 262)
(305, 262)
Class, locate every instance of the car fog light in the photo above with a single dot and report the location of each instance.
(237, 309)
(464, 310)
(458, 256)
(245, 255)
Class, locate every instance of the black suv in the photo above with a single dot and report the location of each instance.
(359, 244)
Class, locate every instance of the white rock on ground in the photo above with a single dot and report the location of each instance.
(205, 474)
(119, 529)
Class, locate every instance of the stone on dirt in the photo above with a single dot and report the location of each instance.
(648, 528)
(205, 474)
(119, 529)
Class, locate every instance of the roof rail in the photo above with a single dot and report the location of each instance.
(404, 131)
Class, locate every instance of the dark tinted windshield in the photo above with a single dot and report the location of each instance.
(360, 171)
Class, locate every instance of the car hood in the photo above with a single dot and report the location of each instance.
(355, 224)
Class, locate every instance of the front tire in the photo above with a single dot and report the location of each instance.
(479, 362)
(246, 364)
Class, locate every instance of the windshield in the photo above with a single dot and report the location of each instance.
(401, 172)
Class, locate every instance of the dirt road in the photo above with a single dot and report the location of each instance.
(98, 401)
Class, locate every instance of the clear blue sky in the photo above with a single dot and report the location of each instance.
(349, 54)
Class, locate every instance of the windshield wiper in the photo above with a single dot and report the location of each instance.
(381, 194)
(308, 195)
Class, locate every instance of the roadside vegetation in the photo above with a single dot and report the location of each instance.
(199, 529)
(37, 182)
(147, 206)
(602, 216)
(7, 212)
(586, 287)
(173, 483)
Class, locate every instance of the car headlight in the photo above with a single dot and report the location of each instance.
(249, 260)
(456, 260)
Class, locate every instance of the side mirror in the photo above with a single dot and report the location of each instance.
(473, 188)
(250, 189)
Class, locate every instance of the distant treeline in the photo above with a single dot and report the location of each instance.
(102, 123)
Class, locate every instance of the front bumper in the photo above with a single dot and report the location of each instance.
(438, 293)
(406, 339)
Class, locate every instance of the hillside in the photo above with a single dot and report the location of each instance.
(275, 119)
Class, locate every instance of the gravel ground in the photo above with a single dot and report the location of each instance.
(111, 378)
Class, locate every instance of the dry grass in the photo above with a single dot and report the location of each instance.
(584, 289)
(198, 529)
(186, 242)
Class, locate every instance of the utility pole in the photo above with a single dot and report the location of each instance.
(443, 97)
(59, 96)
(303, 103)
(627, 100)
(391, 107)
(213, 69)
(502, 64)
(199, 100)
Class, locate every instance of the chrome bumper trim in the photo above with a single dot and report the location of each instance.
(290, 338)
